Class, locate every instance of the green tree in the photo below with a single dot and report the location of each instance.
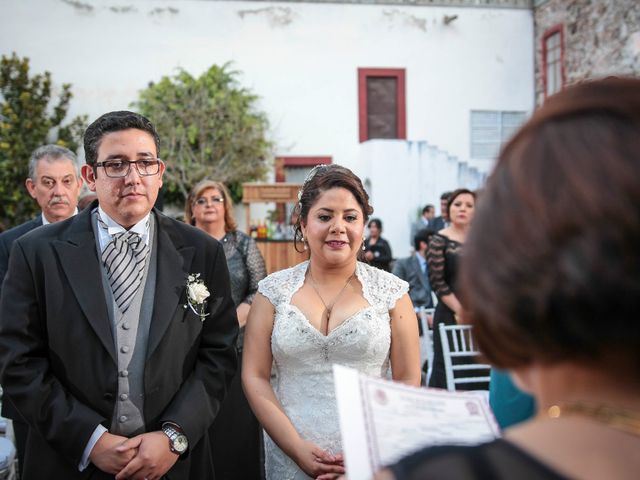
(27, 120)
(210, 128)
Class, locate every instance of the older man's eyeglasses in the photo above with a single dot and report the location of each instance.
(121, 168)
(202, 201)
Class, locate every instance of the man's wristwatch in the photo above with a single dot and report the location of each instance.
(178, 442)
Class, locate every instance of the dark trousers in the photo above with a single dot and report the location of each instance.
(236, 437)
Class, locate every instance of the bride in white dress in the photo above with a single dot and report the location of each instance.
(331, 309)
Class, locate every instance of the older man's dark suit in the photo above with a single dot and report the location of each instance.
(7, 238)
(57, 355)
(6, 241)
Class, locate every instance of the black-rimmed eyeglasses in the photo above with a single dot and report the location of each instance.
(121, 168)
(202, 201)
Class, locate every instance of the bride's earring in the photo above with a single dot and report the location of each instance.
(363, 247)
(304, 243)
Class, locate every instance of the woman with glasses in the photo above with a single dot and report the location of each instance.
(236, 436)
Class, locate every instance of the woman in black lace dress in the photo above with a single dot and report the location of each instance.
(236, 435)
(443, 257)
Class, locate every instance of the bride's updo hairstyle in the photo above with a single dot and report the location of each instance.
(551, 267)
(320, 179)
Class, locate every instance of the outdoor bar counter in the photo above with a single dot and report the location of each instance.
(278, 253)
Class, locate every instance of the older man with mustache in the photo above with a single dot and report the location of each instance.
(54, 182)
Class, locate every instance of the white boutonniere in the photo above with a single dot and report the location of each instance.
(197, 293)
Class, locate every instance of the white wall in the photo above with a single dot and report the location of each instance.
(300, 58)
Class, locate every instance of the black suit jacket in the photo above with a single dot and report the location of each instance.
(437, 224)
(57, 353)
(6, 241)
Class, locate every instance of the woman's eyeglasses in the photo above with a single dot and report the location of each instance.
(202, 201)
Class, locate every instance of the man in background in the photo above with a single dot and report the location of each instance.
(442, 221)
(428, 214)
(54, 182)
(415, 271)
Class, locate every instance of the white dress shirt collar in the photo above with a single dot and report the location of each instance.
(47, 222)
(113, 227)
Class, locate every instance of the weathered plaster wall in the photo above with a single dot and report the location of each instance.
(601, 37)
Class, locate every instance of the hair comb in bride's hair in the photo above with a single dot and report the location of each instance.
(312, 173)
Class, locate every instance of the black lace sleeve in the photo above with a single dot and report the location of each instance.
(436, 260)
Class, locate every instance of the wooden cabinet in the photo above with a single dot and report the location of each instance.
(278, 254)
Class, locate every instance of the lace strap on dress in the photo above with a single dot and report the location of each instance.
(280, 286)
(380, 288)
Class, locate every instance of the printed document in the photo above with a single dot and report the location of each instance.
(382, 421)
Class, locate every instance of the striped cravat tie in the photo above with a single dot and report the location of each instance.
(124, 258)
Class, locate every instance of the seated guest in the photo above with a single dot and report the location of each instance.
(551, 280)
(414, 270)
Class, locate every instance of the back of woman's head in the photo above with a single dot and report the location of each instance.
(551, 267)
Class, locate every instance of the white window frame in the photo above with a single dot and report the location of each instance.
(491, 129)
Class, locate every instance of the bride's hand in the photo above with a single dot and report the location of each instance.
(334, 476)
(316, 462)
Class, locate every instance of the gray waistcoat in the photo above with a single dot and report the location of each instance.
(131, 333)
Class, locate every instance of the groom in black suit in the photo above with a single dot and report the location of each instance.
(117, 327)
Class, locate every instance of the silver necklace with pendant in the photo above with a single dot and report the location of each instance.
(328, 308)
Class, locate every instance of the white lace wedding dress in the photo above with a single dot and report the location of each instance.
(303, 357)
